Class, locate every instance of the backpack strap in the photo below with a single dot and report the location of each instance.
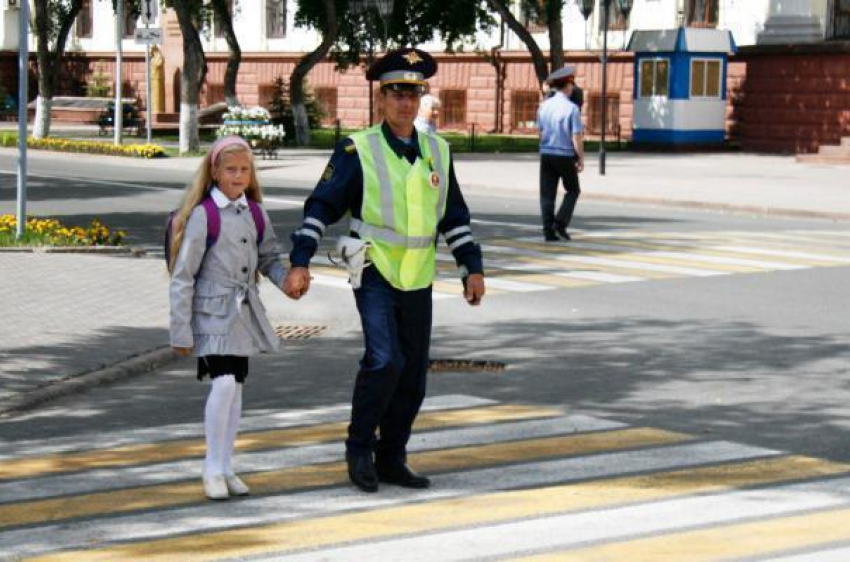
(259, 219)
(213, 220)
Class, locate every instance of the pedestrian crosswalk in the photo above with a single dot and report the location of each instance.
(510, 482)
(527, 264)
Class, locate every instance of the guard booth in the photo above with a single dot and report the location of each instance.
(680, 86)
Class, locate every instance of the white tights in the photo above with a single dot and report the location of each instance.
(221, 424)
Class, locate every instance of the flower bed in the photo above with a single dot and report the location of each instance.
(87, 147)
(254, 125)
(50, 232)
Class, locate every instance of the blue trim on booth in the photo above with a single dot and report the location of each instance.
(674, 136)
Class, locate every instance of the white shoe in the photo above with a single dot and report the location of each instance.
(235, 486)
(215, 487)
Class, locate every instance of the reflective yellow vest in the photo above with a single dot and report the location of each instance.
(402, 205)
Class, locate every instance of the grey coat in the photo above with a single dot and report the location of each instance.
(215, 305)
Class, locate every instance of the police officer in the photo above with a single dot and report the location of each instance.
(400, 189)
(561, 153)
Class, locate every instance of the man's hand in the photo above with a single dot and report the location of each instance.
(474, 288)
(580, 164)
(182, 351)
(297, 282)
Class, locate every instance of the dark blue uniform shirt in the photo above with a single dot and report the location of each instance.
(340, 191)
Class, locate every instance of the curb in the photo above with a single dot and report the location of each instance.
(112, 250)
(729, 207)
(142, 363)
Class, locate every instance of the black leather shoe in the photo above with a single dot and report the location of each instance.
(402, 475)
(361, 472)
(549, 236)
(562, 231)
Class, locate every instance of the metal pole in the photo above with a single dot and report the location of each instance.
(371, 90)
(23, 95)
(118, 116)
(606, 5)
(148, 85)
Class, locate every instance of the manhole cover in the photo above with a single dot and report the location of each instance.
(465, 365)
(290, 332)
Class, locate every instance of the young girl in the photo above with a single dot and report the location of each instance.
(216, 313)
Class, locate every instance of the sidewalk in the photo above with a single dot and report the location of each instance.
(68, 315)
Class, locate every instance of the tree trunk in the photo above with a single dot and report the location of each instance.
(49, 61)
(307, 62)
(554, 10)
(191, 81)
(537, 58)
(235, 57)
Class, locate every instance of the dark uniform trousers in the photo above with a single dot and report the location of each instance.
(390, 385)
(553, 169)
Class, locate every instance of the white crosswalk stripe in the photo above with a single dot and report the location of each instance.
(509, 481)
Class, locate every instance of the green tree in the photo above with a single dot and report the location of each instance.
(348, 36)
(53, 20)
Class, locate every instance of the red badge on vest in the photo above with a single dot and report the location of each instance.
(435, 180)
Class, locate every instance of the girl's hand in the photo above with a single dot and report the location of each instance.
(182, 351)
(297, 282)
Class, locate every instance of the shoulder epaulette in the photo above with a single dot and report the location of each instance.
(350, 147)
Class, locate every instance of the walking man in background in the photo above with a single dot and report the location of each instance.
(561, 154)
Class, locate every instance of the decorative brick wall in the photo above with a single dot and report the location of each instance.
(790, 99)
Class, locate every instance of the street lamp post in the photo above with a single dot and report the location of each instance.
(625, 7)
(23, 96)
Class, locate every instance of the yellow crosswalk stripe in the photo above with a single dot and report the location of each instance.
(728, 542)
(456, 513)
(148, 453)
(330, 474)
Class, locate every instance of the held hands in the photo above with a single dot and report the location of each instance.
(474, 289)
(297, 282)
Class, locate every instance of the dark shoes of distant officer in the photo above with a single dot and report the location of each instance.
(562, 231)
(361, 472)
(401, 475)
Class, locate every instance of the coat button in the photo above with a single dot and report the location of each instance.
(244, 240)
(244, 270)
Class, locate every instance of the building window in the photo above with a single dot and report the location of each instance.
(275, 19)
(84, 20)
(327, 99)
(534, 17)
(705, 78)
(701, 13)
(524, 105)
(453, 113)
(131, 16)
(219, 25)
(654, 77)
(612, 113)
(616, 20)
(839, 20)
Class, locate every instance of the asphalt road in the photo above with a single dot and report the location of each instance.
(722, 327)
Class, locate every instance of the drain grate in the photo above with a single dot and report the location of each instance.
(295, 332)
(465, 366)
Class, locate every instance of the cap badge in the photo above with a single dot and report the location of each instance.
(412, 58)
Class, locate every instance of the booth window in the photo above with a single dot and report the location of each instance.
(84, 20)
(705, 78)
(524, 104)
(453, 112)
(654, 77)
(275, 19)
(701, 13)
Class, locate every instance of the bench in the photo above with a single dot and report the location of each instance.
(130, 119)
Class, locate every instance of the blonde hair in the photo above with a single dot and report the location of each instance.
(200, 188)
